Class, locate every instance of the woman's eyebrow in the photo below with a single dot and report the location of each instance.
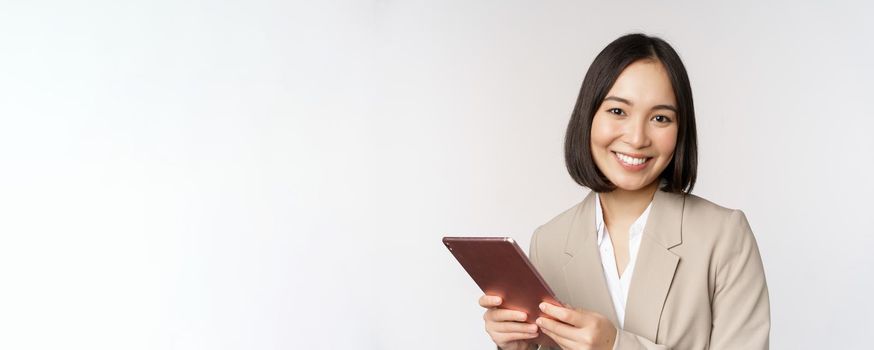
(625, 101)
(668, 107)
(618, 99)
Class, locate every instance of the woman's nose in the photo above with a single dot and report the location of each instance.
(636, 135)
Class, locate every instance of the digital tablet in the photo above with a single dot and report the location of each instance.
(499, 267)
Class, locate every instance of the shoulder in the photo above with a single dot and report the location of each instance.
(725, 228)
(562, 221)
(557, 228)
(700, 210)
(555, 233)
(695, 206)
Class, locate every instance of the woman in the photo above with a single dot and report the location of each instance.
(640, 263)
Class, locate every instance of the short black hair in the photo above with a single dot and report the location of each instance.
(679, 176)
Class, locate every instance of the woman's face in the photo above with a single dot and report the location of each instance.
(634, 131)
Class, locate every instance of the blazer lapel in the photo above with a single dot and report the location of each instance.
(655, 266)
(583, 273)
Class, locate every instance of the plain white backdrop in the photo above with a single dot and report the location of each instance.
(275, 175)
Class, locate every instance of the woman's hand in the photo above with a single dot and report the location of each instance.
(507, 327)
(577, 329)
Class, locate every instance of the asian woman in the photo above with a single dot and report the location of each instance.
(640, 263)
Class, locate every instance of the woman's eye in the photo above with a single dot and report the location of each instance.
(662, 119)
(616, 111)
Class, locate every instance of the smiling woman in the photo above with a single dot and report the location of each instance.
(633, 80)
(633, 136)
(640, 262)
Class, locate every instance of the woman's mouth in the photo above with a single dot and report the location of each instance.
(631, 163)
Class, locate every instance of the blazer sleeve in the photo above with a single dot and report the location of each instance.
(740, 306)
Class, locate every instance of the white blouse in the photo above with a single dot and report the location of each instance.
(618, 286)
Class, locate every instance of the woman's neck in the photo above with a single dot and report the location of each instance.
(623, 206)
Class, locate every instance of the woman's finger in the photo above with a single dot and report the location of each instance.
(558, 328)
(575, 317)
(563, 342)
(503, 315)
(511, 337)
(513, 327)
(488, 301)
(569, 316)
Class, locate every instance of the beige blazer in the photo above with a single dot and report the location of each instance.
(698, 282)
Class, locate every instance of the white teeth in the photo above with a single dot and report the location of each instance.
(630, 160)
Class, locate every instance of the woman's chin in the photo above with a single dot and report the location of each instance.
(631, 185)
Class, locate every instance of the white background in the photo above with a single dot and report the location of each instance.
(269, 175)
